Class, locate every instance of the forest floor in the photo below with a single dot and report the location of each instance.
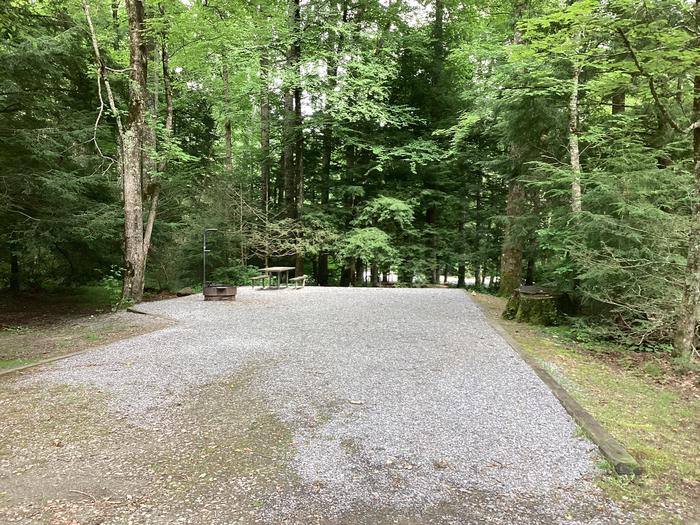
(42, 325)
(321, 405)
(639, 399)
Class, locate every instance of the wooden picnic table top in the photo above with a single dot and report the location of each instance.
(277, 269)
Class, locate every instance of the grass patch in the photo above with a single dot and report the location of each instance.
(6, 364)
(656, 417)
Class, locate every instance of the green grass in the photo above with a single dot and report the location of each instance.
(6, 364)
(639, 403)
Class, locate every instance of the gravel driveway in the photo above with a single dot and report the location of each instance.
(351, 405)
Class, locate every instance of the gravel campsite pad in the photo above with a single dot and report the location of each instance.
(319, 405)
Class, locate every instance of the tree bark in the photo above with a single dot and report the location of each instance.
(513, 239)
(14, 273)
(265, 161)
(477, 230)
(461, 275)
(228, 139)
(327, 131)
(290, 123)
(322, 269)
(134, 142)
(115, 23)
(686, 332)
(573, 142)
(154, 188)
(431, 219)
(617, 102)
(530, 273)
(512, 253)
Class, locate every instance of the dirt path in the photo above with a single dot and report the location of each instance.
(314, 406)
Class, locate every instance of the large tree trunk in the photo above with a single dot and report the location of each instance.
(513, 239)
(133, 148)
(573, 142)
(512, 253)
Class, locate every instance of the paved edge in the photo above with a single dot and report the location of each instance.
(621, 460)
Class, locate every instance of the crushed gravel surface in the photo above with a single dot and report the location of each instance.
(391, 406)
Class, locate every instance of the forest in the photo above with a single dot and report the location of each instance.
(504, 142)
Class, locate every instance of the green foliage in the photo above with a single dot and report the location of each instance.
(368, 244)
(235, 275)
(112, 283)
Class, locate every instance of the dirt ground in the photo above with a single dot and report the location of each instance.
(43, 326)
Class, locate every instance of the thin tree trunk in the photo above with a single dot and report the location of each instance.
(353, 272)
(289, 134)
(322, 269)
(686, 332)
(431, 219)
(154, 188)
(477, 230)
(530, 274)
(228, 139)
(573, 142)
(115, 23)
(14, 273)
(327, 131)
(461, 275)
(265, 161)
(298, 130)
(618, 102)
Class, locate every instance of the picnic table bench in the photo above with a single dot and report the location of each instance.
(269, 272)
(259, 278)
(298, 281)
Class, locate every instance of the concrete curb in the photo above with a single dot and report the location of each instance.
(616, 454)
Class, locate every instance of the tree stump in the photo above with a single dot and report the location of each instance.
(535, 305)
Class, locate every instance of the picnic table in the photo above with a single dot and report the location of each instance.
(279, 270)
